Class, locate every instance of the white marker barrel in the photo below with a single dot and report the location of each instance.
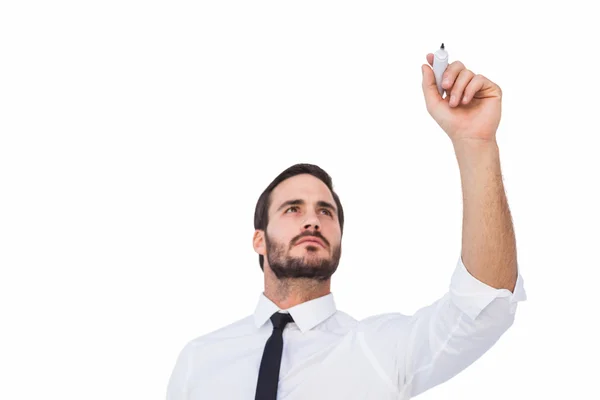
(440, 63)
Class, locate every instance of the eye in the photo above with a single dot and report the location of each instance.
(328, 212)
(290, 208)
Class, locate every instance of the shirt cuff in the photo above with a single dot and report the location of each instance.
(471, 295)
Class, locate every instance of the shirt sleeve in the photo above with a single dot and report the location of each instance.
(447, 336)
(178, 381)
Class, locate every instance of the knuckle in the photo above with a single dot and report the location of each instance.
(466, 75)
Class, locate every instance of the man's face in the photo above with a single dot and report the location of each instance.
(302, 208)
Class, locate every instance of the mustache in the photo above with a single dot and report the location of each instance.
(313, 234)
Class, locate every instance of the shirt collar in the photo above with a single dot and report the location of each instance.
(306, 315)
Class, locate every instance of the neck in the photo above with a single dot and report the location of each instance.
(286, 293)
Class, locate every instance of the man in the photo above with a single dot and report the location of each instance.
(297, 345)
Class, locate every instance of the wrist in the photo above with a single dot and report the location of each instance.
(474, 147)
(474, 153)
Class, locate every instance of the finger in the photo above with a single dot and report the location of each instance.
(451, 73)
(477, 84)
(430, 91)
(463, 79)
(430, 59)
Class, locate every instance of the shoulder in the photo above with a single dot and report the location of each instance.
(241, 327)
(392, 320)
(339, 323)
(208, 345)
(197, 355)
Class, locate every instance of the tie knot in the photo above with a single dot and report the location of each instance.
(280, 320)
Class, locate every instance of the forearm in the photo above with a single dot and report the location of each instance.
(488, 239)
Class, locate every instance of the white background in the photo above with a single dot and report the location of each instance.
(136, 137)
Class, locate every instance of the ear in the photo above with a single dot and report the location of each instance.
(258, 241)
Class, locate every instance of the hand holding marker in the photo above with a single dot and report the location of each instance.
(440, 63)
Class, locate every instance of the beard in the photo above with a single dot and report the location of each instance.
(310, 266)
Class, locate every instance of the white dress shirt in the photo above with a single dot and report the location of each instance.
(327, 354)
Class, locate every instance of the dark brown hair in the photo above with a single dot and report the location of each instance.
(261, 213)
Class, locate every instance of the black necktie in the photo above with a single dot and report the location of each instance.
(268, 375)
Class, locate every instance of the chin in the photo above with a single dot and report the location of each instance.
(316, 250)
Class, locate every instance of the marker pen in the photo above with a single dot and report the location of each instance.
(440, 63)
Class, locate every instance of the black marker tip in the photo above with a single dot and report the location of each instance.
(442, 46)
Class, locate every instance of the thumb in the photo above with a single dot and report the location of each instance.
(430, 91)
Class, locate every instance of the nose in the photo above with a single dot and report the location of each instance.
(315, 226)
(312, 222)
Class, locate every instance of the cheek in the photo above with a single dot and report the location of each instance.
(280, 234)
(333, 227)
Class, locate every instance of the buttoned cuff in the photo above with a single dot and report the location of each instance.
(471, 295)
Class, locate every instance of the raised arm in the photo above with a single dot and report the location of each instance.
(446, 337)
(418, 352)
(488, 239)
(470, 115)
